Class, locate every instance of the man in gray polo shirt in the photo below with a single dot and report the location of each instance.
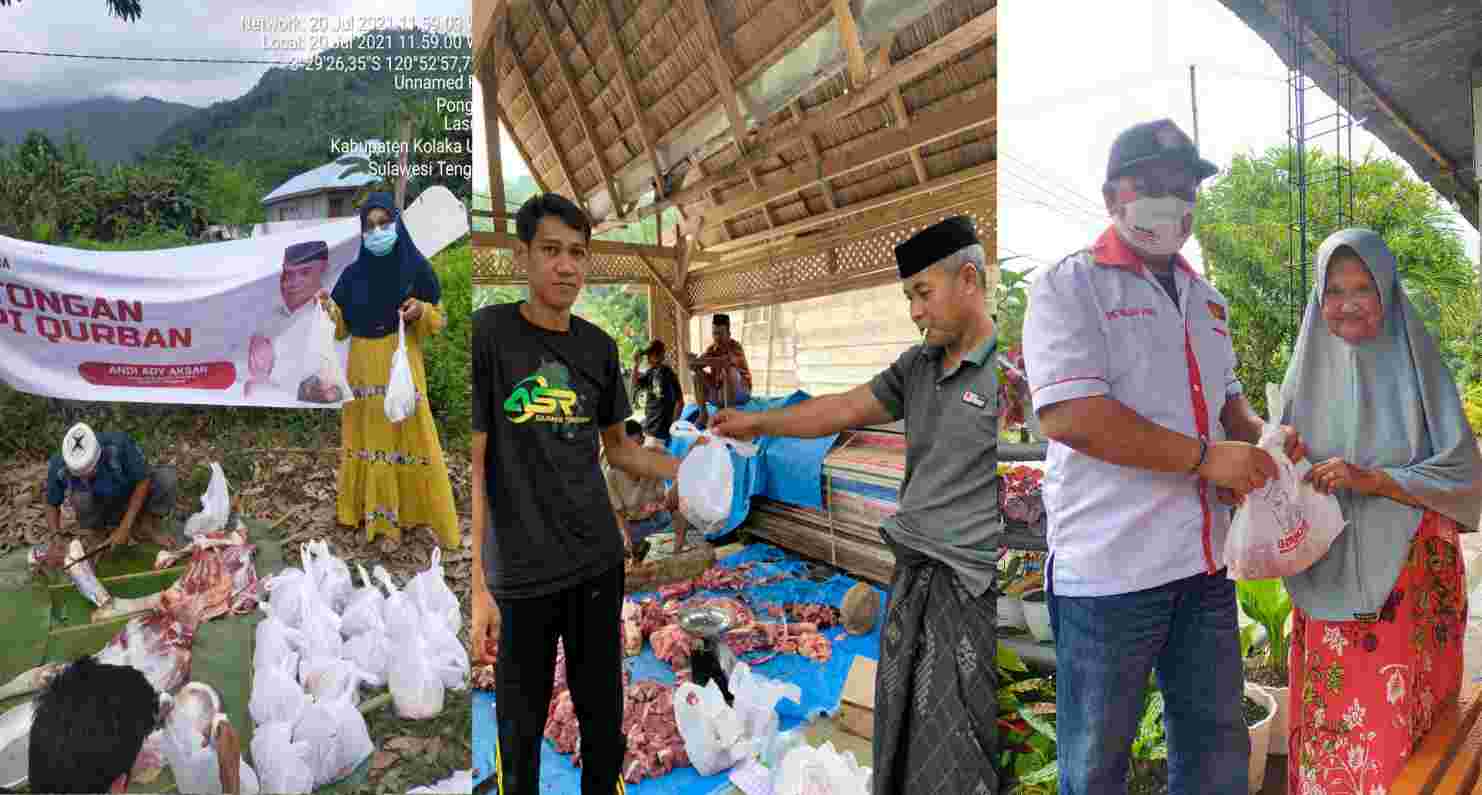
(934, 727)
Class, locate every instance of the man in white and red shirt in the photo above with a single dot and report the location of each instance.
(1133, 379)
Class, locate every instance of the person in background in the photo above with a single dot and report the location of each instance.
(106, 480)
(392, 475)
(934, 730)
(643, 506)
(665, 399)
(1132, 375)
(548, 387)
(722, 373)
(1378, 622)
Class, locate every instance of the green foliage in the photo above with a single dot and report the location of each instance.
(285, 124)
(617, 311)
(449, 373)
(1267, 603)
(1013, 300)
(153, 239)
(127, 10)
(1243, 229)
(1472, 402)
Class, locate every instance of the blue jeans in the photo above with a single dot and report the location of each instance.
(1105, 647)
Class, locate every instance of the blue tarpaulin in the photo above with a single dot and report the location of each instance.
(822, 684)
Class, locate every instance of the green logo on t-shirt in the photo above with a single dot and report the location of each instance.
(543, 397)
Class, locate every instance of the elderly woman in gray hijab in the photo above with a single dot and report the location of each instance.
(1378, 622)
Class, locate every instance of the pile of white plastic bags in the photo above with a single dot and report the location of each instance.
(322, 640)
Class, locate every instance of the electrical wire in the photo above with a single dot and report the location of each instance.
(82, 56)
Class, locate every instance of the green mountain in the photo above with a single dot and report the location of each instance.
(287, 123)
(113, 130)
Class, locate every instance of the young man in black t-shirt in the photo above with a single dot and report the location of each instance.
(664, 395)
(547, 391)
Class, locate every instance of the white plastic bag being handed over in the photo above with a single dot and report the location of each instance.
(327, 355)
(429, 589)
(706, 476)
(820, 771)
(714, 735)
(401, 390)
(216, 506)
(1286, 526)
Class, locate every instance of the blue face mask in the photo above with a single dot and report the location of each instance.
(380, 241)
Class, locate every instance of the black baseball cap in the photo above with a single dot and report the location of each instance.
(1155, 140)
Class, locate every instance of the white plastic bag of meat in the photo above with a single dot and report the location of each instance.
(1286, 526)
(714, 737)
(317, 620)
(84, 577)
(417, 688)
(276, 692)
(337, 734)
(755, 697)
(216, 506)
(429, 589)
(274, 639)
(448, 655)
(282, 764)
(820, 771)
(286, 591)
(370, 652)
(456, 784)
(706, 477)
(332, 576)
(330, 679)
(189, 746)
(330, 371)
(365, 610)
(401, 388)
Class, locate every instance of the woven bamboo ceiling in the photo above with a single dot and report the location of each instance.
(773, 126)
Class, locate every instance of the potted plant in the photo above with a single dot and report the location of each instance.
(1037, 615)
(1269, 606)
(1260, 715)
(1026, 726)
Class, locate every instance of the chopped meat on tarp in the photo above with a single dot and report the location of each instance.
(651, 617)
(673, 645)
(678, 590)
(815, 647)
(822, 615)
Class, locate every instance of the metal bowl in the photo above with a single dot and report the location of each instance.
(706, 621)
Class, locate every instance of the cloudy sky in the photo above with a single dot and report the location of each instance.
(1065, 91)
(168, 28)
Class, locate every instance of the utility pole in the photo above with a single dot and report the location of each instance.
(1194, 102)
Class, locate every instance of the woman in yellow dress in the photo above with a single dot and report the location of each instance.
(392, 476)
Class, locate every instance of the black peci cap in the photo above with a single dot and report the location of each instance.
(934, 244)
(305, 253)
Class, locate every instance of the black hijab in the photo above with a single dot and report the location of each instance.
(371, 290)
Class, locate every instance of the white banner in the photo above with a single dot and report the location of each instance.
(218, 324)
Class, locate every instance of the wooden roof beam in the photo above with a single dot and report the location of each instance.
(859, 70)
(725, 79)
(486, 15)
(583, 114)
(816, 158)
(926, 129)
(908, 69)
(630, 88)
(903, 120)
(823, 219)
(659, 280)
(567, 174)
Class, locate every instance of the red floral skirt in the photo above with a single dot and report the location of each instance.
(1363, 694)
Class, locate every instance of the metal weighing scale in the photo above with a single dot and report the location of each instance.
(714, 660)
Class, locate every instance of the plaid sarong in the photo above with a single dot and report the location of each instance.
(935, 691)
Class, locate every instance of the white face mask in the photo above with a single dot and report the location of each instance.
(1157, 225)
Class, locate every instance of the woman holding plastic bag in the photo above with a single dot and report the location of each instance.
(392, 474)
(1378, 621)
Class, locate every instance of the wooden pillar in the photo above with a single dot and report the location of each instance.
(489, 82)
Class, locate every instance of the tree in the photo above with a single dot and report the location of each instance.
(127, 10)
(1242, 225)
